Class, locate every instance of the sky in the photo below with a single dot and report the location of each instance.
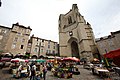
(42, 15)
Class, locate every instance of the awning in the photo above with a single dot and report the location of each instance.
(18, 60)
(112, 54)
(71, 59)
(115, 55)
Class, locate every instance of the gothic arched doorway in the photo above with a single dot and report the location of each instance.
(75, 50)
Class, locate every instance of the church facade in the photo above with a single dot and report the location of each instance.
(76, 38)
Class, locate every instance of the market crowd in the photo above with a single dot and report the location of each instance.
(29, 70)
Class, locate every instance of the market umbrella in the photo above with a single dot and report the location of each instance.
(32, 60)
(26, 60)
(71, 59)
(34, 56)
(18, 55)
(116, 61)
(7, 55)
(5, 59)
(17, 60)
(114, 55)
(51, 60)
(40, 60)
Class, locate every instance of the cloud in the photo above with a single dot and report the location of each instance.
(42, 15)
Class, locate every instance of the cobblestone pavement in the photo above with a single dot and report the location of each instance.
(84, 75)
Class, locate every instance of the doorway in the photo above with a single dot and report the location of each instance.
(75, 50)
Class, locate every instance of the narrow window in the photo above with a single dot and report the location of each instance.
(42, 40)
(53, 47)
(41, 50)
(22, 46)
(49, 42)
(48, 46)
(53, 52)
(49, 51)
(23, 40)
(16, 39)
(69, 20)
(35, 50)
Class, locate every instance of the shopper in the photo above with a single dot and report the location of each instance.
(33, 71)
(44, 71)
(28, 70)
(41, 70)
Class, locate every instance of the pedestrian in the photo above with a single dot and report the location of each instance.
(44, 71)
(28, 70)
(84, 64)
(33, 71)
(22, 70)
(41, 70)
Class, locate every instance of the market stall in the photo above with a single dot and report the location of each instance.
(71, 59)
(65, 67)
(18, 66)
(71, 64)
(38, 62)
(62, 72)
(102, 72)
(114, 55)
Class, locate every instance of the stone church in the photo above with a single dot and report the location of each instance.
(76, 38)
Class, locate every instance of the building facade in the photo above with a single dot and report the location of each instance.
(108, 43)
(4, 35)
(18, 39)
(38, 46)
(76, 37)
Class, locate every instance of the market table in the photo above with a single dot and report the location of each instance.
(101, 71)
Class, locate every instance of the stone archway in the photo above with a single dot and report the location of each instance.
(75, 50)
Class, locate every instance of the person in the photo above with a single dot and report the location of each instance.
(84, 64)
(41, 70)
(44, 71)
(12, 66)
(28, 69)
(22, 70)
(93, 70)
(33, 71)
